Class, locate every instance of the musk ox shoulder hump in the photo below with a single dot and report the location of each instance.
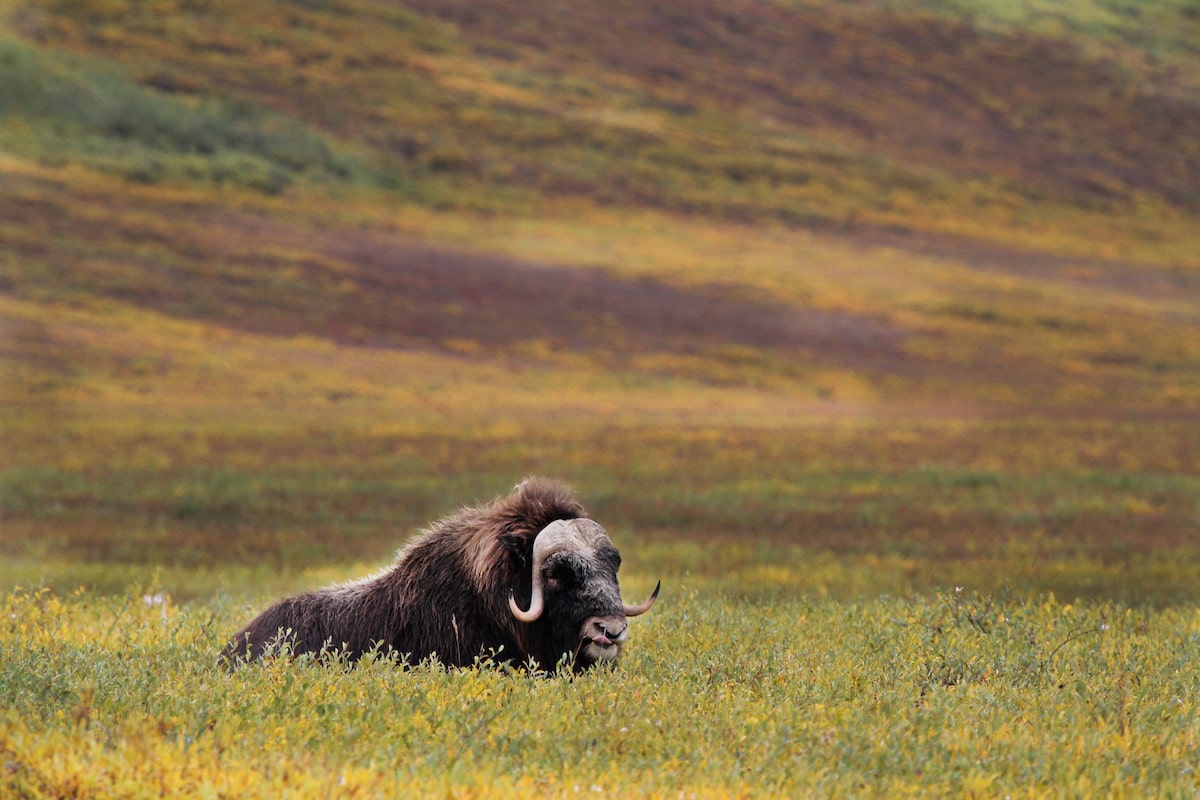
(509, 522)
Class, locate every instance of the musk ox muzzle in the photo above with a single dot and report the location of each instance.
(456, 592)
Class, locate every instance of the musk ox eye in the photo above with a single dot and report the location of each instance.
(560, 576)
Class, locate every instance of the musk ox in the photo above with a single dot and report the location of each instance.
(527, 579)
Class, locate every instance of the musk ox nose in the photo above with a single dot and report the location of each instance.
(613, 630)
(606, 631)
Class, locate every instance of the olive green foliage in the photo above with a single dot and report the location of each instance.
(954, 694)
(61, 108)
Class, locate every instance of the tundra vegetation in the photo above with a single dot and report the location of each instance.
(870, 328)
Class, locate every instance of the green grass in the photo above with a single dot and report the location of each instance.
(919, 696)
(59, 108)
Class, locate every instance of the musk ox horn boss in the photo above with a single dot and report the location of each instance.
(526, 579)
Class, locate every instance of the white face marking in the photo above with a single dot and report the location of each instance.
(581, 536)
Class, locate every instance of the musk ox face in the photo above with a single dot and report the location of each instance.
(575, 600)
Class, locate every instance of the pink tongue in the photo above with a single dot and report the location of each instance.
(603, 641)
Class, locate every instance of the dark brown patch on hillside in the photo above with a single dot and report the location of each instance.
(366, 288)
(354, 285)
(446, 293)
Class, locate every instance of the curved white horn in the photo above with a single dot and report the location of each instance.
(536, 604)
(547, 538)
(633, 611)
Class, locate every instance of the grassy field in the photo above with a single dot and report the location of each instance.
(870, 328)
(951, 694)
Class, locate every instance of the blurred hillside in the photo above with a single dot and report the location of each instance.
(490, 238)
(251, 166)
(981, 132)
(902, 115)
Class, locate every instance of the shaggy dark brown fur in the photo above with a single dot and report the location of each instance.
(446, 595)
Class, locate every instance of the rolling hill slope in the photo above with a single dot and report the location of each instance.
(1068, 159)
(345, 243)
(810, 112)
